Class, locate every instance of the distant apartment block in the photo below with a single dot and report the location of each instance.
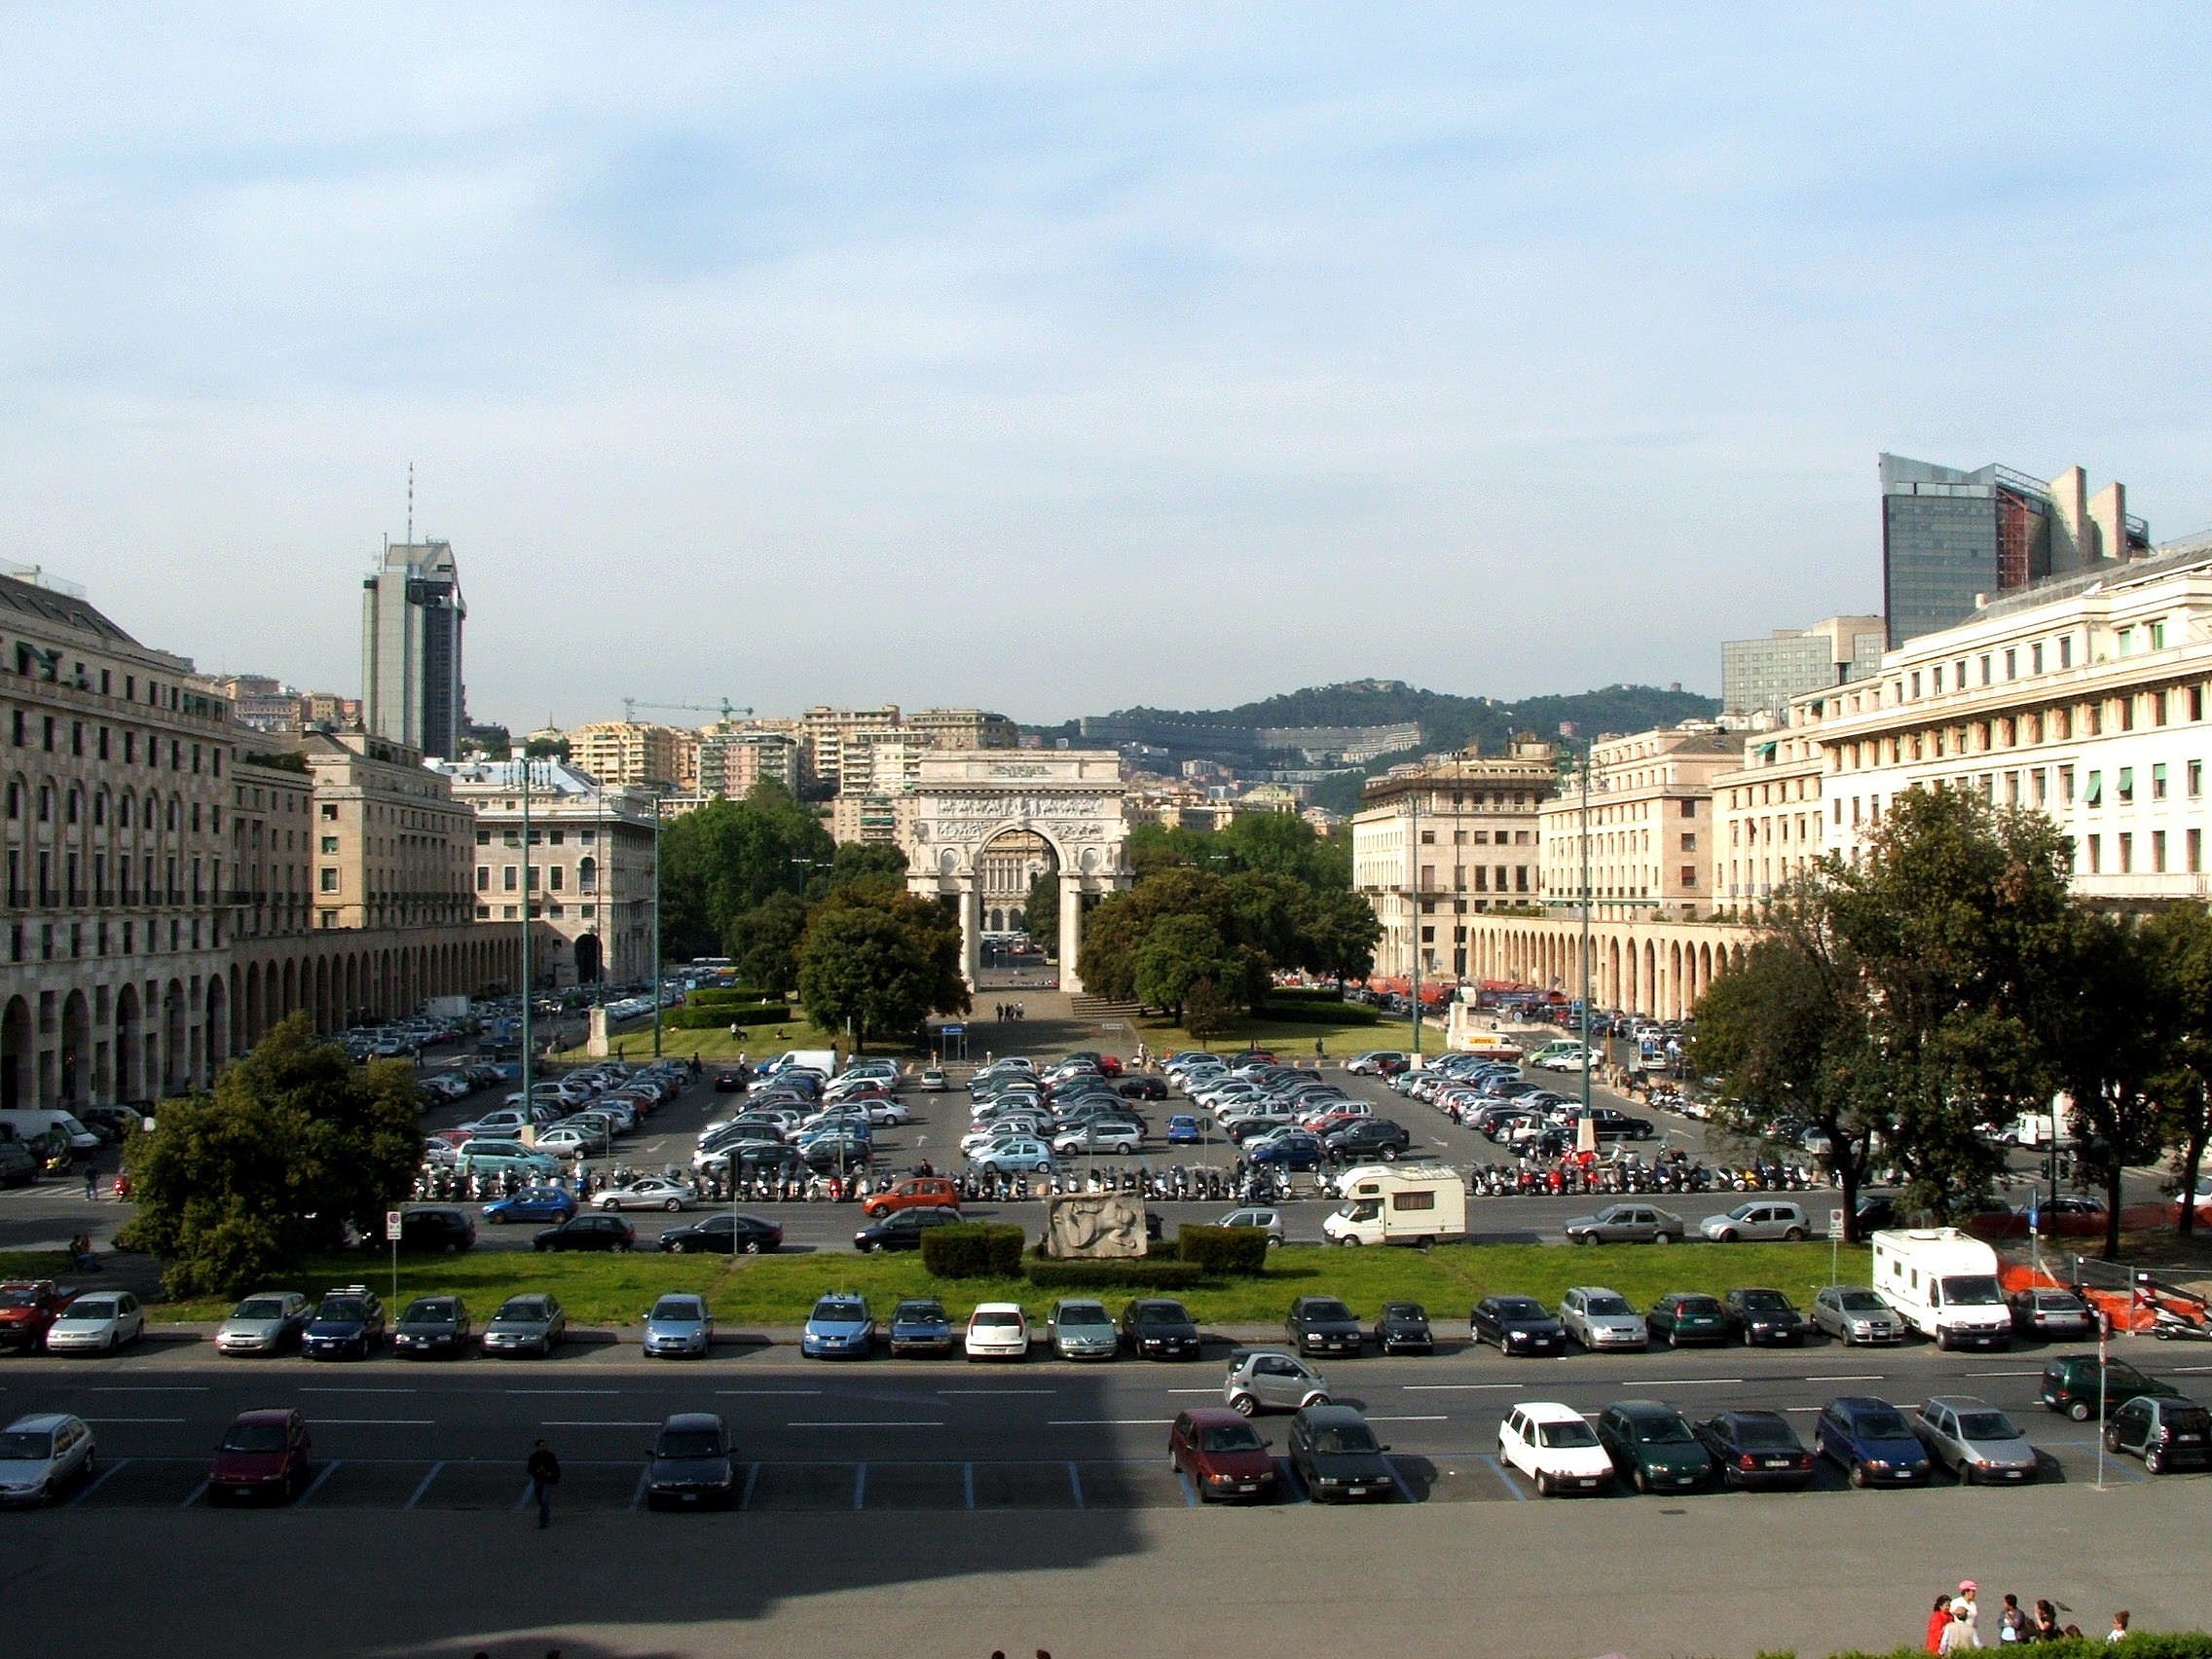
(1759, 677)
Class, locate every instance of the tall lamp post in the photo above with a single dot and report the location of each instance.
(656, 932)
(1413, 926)
(529, 984)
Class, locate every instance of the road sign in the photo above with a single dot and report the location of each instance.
(952, 1030)
(1836, 1224)
(391, 1222)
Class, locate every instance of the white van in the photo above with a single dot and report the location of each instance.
(1417, 1202)
(823, 1060)
(1943, 1284)
(28, 1125)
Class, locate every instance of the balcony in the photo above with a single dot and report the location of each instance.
(2121, 886)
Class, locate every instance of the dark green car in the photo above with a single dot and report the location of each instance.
(1653, 1447)
(2069, 1385)
(1688, 1316)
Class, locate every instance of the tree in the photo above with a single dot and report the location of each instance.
(1040, 913)
(1115, 931)
(726, 858)
(879, 959)
(2178, 944)
(865, 861)
(764, 943)
(239, 1186)
(1337, 932)
(1208, 1011)
(1179, 952)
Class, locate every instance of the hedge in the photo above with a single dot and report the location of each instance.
(1319, 1013)
(727, 998)
(972, 1249)
(1131, 1272)
(2139, 1645)
(1221, 1251)
(1307, 994)
(722, 1018)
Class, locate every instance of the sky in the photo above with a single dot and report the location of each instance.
(1056, 359)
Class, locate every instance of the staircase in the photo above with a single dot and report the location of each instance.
(1098, 1007)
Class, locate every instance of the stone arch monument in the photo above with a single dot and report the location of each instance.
(966, 799)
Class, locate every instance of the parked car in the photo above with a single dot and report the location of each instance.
(42, 1455)
(1323, 1324)
(554, 1204)
(1222, 1456)
(436, 1232)
(2071, 1385)
(1755, 1450)
(648, 1191)
(587, 1232)
(269, 1321)
(1600, 1318)
(1856, 1315)
(28, 1308)
(1269, 1379)
(1653, 1447)
(1869, 1440)
(1553, 1446)
(1757, 1220)
(1974, 1440)
(1626, 1224)
(919, 1325)
(1156, 1327)
(1081, 1328)
(1516, 1325)
(1018, 1155)
(901, 1230)
(690, 1465)
(2165, 1433)
(1764, 1318)
(998, 1330)
(1369, 1137)
(916, 1192)
(1270, 1221)
(676, 1326)
(530, 1323)
(265, 1454)
(1682, 1317)
(1402, 1327)
(97, 1322)
(1334, 1452)
(725, 1233)
(2054, 1315)
(431, 1326)
(841, 1327)
(347, 1324)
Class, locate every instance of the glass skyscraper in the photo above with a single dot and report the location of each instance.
(412, 614)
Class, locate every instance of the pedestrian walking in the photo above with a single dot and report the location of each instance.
(2012, 1624)
(544, 1475)
(1938, 1621)
(91, 1181)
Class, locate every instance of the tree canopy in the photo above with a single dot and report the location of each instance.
(729, 857)
(879, 959)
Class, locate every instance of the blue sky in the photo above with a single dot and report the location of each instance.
(1060, 358)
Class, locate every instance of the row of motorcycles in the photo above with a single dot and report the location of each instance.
(1532, 1178)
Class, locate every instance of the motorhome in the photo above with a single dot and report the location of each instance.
(1419, 1203)
(1943, 1284)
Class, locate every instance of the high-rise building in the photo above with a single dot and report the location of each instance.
(1759, 677)
(1951, 538)
(411, 613)
(633, 753)
(824, 731)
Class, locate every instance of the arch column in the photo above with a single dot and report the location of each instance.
(1071, 931)
(971, 898)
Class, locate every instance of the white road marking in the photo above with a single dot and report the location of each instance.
(766, 1393)
(328, 1469)
(426, 1486)
(145, 1388)
(358, 1390)
(1194, 1390)
(994, 1392)
(197, 1492)
(2001, 1374)
(561, 1391)
(1104, 1422)
(379, 1422)
(1438, 1418)
(598, 1423)
(100, 1479)
(1460, 1387)
(1852, 1376)
(134, 1419)
(870, 1422)
(1689, 1381)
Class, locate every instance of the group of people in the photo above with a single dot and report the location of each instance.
(1954, 1624)
(1011, 1011)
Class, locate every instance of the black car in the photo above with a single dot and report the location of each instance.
(347, 1325)
(1755, 1450)
(437, 1232)
(1402, 1327)
(836, 1153)
(729, 1081)
(690, 1467)
(1158, 1328)
(724, 1233)
(602, 1232)
(1764, 1317)
(902, 1229)
(1321, 1324)
(1369, 1137)
(1141, 1088)
(18, 1167)
(1516, 1324)
(1619, 1125)
(1653, 1448)
(433, 1326)
(2167, 1434)
(1334, 1451)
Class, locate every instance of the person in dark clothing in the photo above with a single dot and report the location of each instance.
(544, 1475)
(92, 1179)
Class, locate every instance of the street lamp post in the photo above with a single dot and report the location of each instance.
(1413, 926)
(529, 987)
(656, 931)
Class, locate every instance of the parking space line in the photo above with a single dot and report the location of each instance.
(328, 1469)
(134, 1419)
(425, 1486)
(597, 1423)
(1190, 1492)
(763, 1393)
(1397, 1480)
(1503, 1479)
(1688, 1381)
(358, 1390)
(197, 1492)
(147, 1388)
(1437, 1417)
(1852, 1376)
(1291, 1484)
(995, 1392)
(638, 1498)
(752, 1480)
(378, 1423)
(2000, 1373)
(866, 1422)
(523, 1502)
(1105, 1422)
(1075, 1483)
(1194, 1390)
(860, 1486)
(967, 1484)
(1451, 1387)
(551, 1391)
(97, 1480)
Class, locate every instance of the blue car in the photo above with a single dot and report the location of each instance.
(347, 1324)
(1870, 1441)
(918, 1325)
(1291, 1151)
(541, 1205)
(1183, 1131)
(841, 1327)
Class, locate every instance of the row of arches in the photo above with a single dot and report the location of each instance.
(1657, 973)
(68, 843)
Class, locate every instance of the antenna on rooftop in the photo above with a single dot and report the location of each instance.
(410, 504)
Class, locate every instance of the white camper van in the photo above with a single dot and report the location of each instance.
(1399, 1204)
(1943, 1284)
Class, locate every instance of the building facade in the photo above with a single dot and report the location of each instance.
(731, 762)
(630, 754)
(1768, 817)
(412, 616)
(1647, 823)
(962, 728)
(393, 846)
(1452, 838)
(1759, 677)
(824, 731)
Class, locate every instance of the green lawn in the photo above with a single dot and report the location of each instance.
(1290, 1038)
(778, 1290)
(34, 1264)
(754, 1041)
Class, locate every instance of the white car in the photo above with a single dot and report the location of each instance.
(1017, 1155)
(1112, 1137)
(98, 1322)
(1600, 1318)
(998, 1330)
(42, 1453)
(265, 1322)
(648, 1191)
(569, 1143)
(1553, 1446)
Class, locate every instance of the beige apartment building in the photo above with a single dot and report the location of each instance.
(1648, 820)
(1768, 817)
(272, 839)
(633, 754)
(731, 762)
(962, 728)
(391, 844)
(1446, 840)
(824, 731)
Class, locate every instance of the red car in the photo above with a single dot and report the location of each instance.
(264, 1453)
(916, 1192)
(28, 1308)
(1223, 1455)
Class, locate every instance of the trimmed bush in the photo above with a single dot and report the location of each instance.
(972, 1249)
(722, 1018)
(1223, 1251)
(730, 997)
(1317, 1014)
(1135, 1275)
(2139, 1645)
(1321, 995)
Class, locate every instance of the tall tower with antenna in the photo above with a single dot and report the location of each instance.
(412, 617)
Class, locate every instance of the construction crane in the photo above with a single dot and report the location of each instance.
(726, 708)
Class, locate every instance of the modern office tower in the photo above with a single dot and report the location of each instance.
(412, 614)
(1952, 539)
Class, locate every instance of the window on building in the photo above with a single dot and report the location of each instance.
(1689, 875)
(2195, 779)
(2011, 665)
(2066, 786)
(2034, 657)
(2158, 852)
(2157, 636)
(483, 838)
(2126, 789)
(556, 877)
(2158, 781)
(329, 881)
(483, 878)
(2196, 848)
(330, 811)
(2066, 650)
(330, 843)
(1689, 843)
(2126, 853)
(2096, 855)
(509, 879)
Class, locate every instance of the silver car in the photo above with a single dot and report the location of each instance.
(648, 1191)
(1855, 1314)
(42, 1453)
(1759, 1219)
(1602, 1318)
(1268, 1220)
(1974, 1440)
(1084, 1330)
(1271, 1379)
(526, 1325)
(678, 1325)
(1626, 1224)
(268, 1321)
